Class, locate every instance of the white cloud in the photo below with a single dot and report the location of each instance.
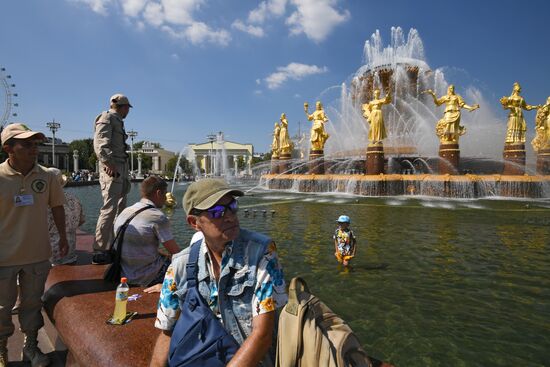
(250, 29)
(199, 33)
(258, 81)
(154, 14)
(293, 71)
(174, 17)
(132, 8)
(98, 6)
(267, 9)
(180, 11)
(315, 18)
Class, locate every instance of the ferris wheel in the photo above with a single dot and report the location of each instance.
(7, 94)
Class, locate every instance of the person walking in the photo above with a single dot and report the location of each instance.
(26, 191)
(110, 147)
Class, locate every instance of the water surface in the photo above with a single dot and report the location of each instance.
(435, 282)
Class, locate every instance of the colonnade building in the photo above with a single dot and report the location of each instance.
(219, 157)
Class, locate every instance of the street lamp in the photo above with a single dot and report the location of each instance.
(211, 137)
(53, 126)
(132, 134)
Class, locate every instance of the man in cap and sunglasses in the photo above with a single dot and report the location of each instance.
(110, 148)
(239, 276)
(26, 191)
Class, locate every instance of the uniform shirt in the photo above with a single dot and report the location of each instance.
(110, 138)
(24, 229)
(269, 293)
(141, 260)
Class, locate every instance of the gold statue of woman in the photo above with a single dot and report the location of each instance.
(516, 122)
(285, 144)
(275, 143)
(318, 135)
(372, 111)
(448, 129)
(542, 127)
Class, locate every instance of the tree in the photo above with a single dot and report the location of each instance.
(261, 158)
(240, 163)
(86, 156)
(185, 166)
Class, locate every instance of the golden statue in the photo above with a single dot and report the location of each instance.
(448, 129)
(171, 201)
(318, 135)
(542, 127)
(275, 143)
(285, 144)
(516, 122)
(372, 111)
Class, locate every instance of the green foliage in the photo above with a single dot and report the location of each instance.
(240, 162)
(185, 166)
(86, 155)
(263, 158)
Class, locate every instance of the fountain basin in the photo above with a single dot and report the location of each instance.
(464, 186)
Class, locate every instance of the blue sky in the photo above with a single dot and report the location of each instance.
(192, 67)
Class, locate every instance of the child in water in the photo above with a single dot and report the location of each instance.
(344, 241)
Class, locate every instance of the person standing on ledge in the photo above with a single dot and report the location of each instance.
(26, 191)
(110, 147)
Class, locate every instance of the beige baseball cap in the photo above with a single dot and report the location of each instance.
(19, 131)
(205, 193)
(120, 100)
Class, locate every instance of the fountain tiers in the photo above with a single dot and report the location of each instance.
(465, 186)
(543, 162)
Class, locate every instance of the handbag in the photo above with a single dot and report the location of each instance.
(199, 339)
(113, 272)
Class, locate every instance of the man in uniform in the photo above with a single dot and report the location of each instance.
(110, 148)
(26, 191)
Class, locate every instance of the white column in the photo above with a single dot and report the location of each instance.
(236, 164)
(249, 163)
(139, 165)
(156, 165)
(75, 160)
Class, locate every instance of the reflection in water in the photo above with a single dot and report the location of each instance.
(434, 283)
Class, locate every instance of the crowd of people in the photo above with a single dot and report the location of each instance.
(235, 272)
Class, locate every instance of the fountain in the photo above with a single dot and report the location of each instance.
(405, 163)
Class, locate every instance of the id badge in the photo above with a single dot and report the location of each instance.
(23, 200)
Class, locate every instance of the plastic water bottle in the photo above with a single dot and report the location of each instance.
(121, 299)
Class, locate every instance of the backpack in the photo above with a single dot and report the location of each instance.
(199, 339)
(311, 335)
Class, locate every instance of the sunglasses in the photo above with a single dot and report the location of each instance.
(219, 210)
(28, 144)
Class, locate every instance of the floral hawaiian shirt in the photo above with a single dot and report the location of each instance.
(269, 292)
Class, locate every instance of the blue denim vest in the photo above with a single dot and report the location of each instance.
(236, 284)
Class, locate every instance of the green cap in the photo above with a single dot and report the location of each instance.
(205, 193)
